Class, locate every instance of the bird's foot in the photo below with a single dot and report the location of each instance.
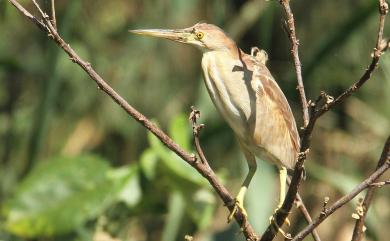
(286, 221)
(238, 205)
(273, 222)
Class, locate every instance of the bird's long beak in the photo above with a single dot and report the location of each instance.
(178, 35)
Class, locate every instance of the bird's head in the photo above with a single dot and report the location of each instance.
(205, 36)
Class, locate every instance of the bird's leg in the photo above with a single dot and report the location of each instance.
(282, 180)
(239, 200)
(282, 193)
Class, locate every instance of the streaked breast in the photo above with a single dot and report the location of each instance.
(226, 84)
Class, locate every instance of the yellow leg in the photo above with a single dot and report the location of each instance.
(282, 193)
(239, 200)
(282, 180)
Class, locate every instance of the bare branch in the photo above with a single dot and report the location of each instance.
(203, 169)
(27, 14)
(380, 47)
(345, 199)
(53, 14)
(196, 128)
(381, 184)
(297, 63)
(358, 230)
(49, 27)
(50, 7)
(283, 212)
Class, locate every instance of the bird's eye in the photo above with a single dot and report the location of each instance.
(199, 35)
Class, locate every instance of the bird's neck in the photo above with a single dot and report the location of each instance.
(226, 54)
(228, 48)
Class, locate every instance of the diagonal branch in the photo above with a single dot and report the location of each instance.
(358, 230)
(27, 14)
(385, 158)
(47, 26)
(380, 47)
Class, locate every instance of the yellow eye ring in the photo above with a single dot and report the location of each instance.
(199, 35)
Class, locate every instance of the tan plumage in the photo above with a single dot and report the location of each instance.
(248, 98)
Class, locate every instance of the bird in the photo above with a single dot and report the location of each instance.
(248, 98)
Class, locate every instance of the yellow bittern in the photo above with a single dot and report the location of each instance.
(248, 98)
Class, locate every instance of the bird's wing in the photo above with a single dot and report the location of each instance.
(267, 86)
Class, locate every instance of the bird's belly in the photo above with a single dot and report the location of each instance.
(231, 113)
(231, 99)
(227, 108)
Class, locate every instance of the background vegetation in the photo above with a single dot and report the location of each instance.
(73, 166)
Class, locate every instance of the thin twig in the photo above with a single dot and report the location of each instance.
(196, 128)
(381, 46)
(378, 51)
(297, 63)
(381, 184)
(208, 173)
(302, 207)
(50, 7)
(53, 14)
(27, 14)
(359, 225)
(345, 199)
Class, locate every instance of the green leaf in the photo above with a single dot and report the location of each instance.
(179, 130)
(174, 163)
(61, 194)
(130, 189)
(148, 163)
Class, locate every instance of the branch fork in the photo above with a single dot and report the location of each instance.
(48, 25)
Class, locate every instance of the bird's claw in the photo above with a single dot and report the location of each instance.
(238, 205)
(273, 222)
(272, 218)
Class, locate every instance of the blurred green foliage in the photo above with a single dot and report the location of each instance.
(74, 166)
(84, 186)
